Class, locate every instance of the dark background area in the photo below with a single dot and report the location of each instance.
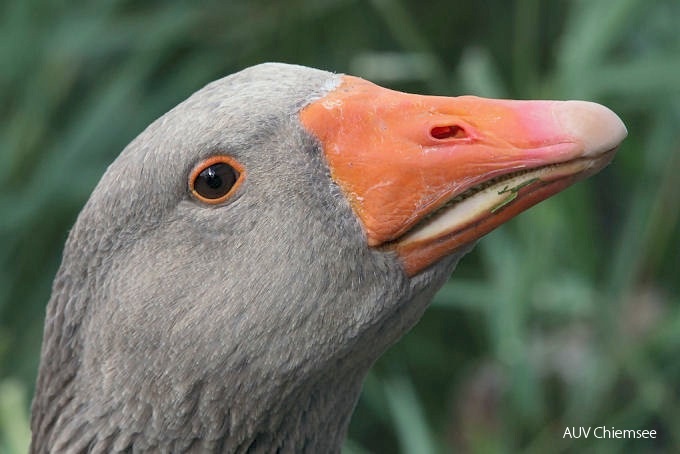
(567, 316)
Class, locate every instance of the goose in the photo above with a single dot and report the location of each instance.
(247, 258)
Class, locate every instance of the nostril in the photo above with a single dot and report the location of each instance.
(448, 132)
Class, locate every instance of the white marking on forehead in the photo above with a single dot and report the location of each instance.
(328, 86)
(331, 83)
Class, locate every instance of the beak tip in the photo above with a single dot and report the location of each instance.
(593, 125)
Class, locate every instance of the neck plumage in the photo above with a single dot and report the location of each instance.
(197, 415)
(85, 403)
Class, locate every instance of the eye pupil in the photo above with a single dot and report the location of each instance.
(215, 181)
(212, 179)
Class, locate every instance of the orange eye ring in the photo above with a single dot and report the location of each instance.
(214, 180)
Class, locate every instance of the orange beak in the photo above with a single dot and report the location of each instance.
(427, 175)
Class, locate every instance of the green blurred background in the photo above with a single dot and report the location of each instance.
(567, 316)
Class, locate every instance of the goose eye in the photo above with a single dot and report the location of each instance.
(215, 179)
